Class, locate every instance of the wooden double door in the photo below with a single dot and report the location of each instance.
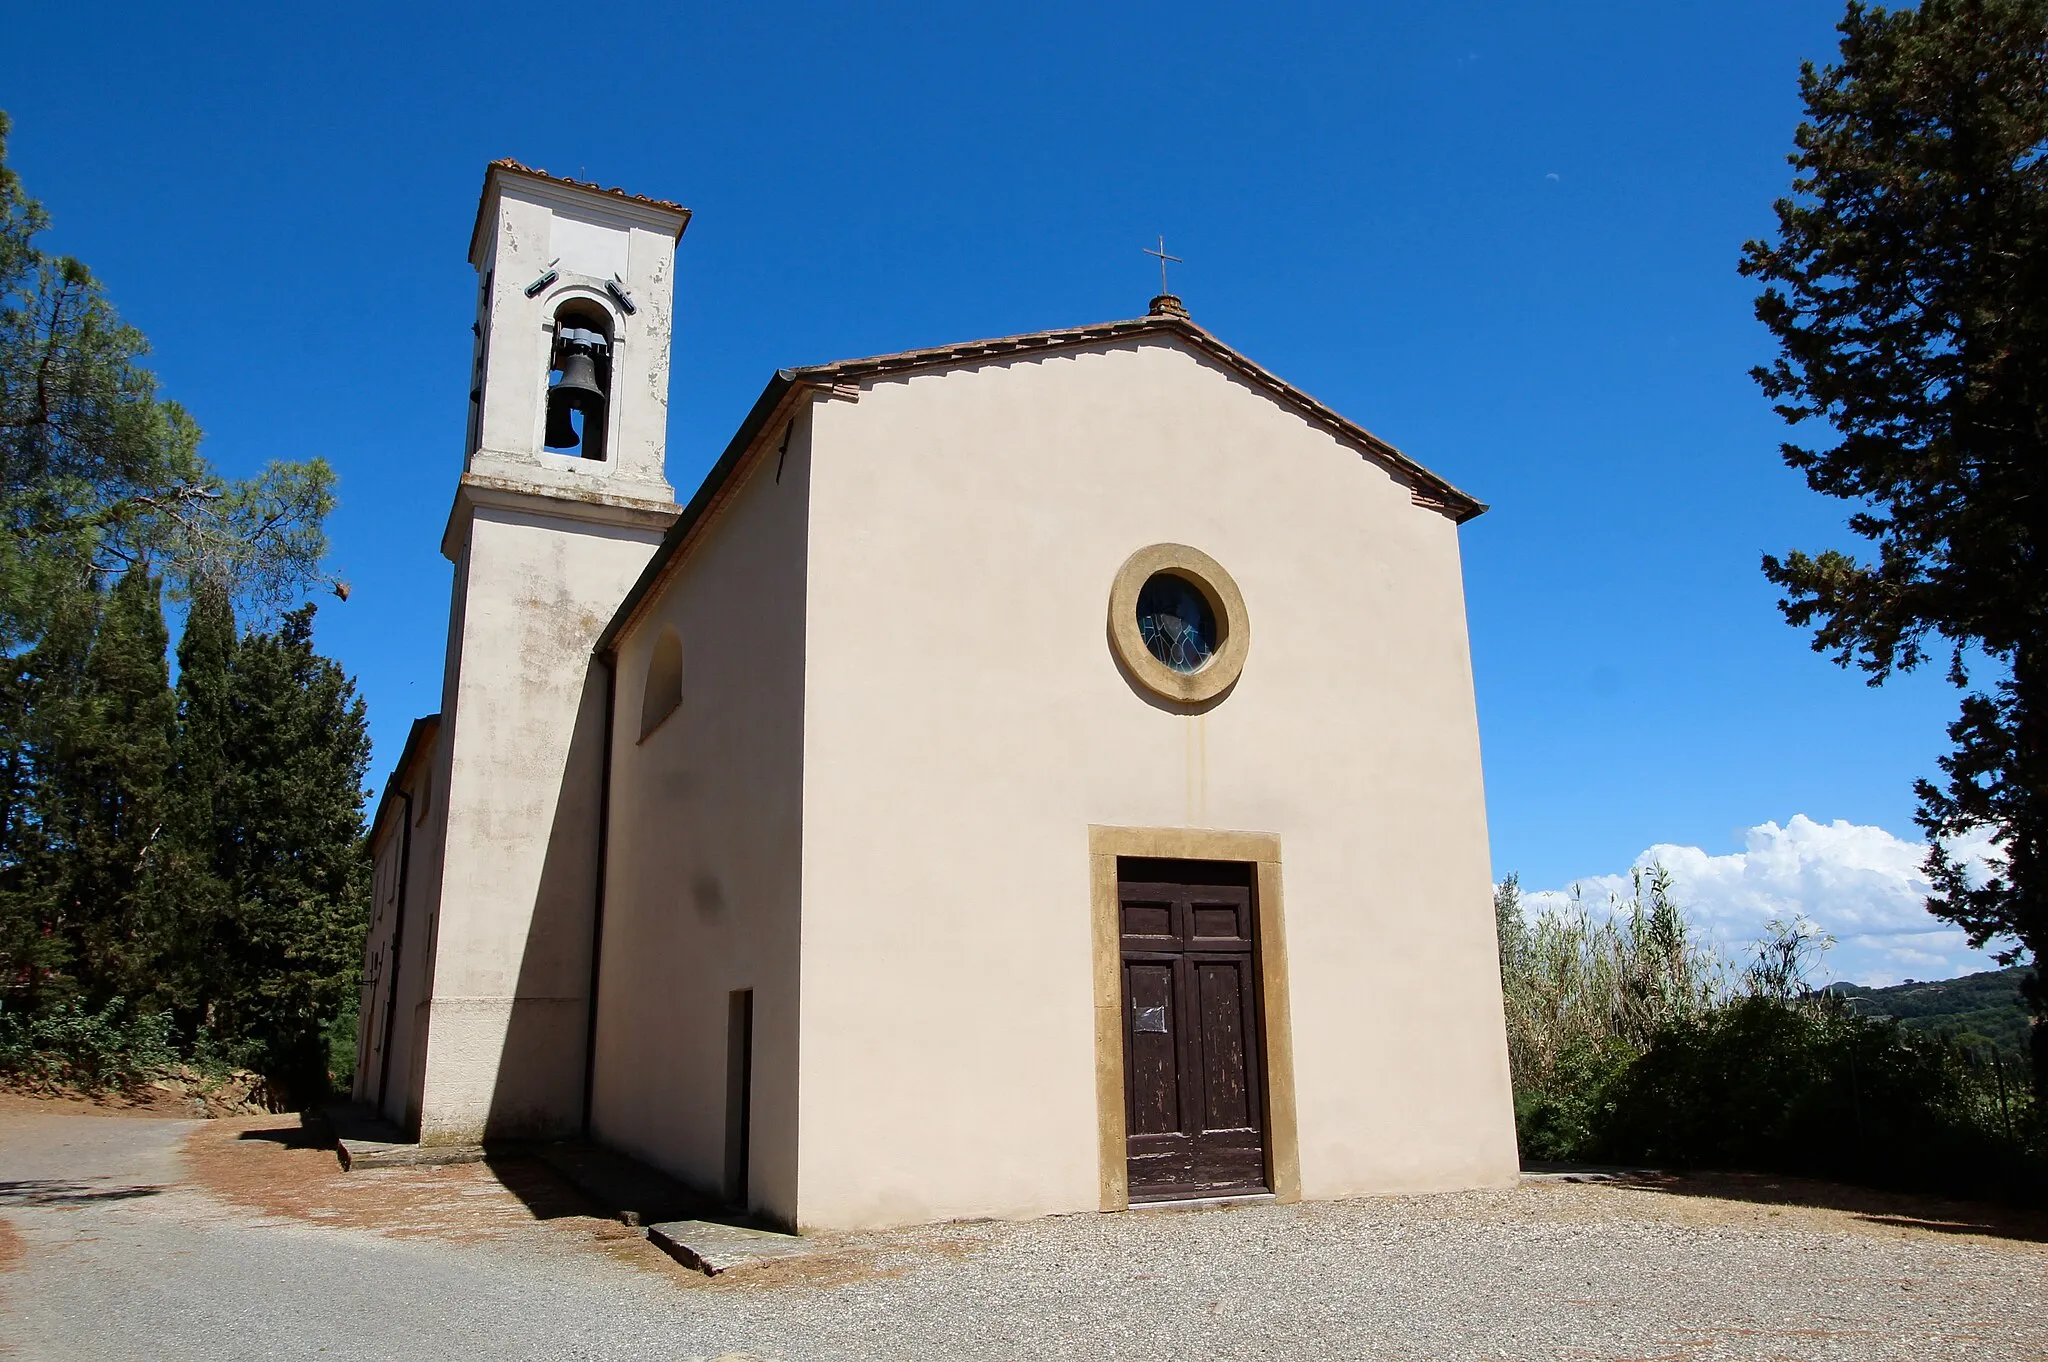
(1194, 1064)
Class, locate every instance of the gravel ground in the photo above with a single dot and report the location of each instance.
(177, 1239)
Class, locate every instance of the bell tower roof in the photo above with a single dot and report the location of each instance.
(660, 212)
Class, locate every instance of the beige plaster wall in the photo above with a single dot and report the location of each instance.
(387, 845)
(399, 1100)
(430, 844)
(398, 950)
(965, 724)
(702, 879)
(523, 723)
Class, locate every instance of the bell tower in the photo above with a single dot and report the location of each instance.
(569, 388)
(562, 500)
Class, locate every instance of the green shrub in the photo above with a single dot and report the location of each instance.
(115, 1047)
(1632, 1041)
(341, 1045)
(1562, 1121)
(1807, 1088)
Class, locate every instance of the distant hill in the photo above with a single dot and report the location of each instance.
(1977, 1009)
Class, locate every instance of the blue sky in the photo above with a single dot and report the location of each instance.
(1503, 238)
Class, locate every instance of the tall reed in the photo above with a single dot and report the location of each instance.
(1579, 986)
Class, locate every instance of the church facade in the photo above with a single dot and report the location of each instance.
(1028, 776)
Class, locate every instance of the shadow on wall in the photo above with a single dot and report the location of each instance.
(538, 1089)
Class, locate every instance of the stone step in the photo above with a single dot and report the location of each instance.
(364, 1139)
(713, 1248)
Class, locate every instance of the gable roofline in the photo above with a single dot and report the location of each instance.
(1426, 488)
(1460, 506)
(418, 743)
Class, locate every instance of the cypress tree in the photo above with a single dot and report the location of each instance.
(296, 752)
(195, 927)
(123, 868)
(44, 694)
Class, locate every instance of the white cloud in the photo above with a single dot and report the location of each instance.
(1860, 884)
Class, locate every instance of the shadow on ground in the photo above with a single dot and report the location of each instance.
(605, 1182)
(554, 1180)
(546, 1194)
(55, 1192)
(291, 1137)
(1939, 1215)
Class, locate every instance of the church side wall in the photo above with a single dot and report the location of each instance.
(379, 977)
(430, 842)
(702, 880)
(511, 963)
(399, 1099)
(397, 955)
(966, 723)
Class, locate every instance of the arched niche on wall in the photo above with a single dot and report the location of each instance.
(664, 690)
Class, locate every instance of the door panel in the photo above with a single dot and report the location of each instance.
(1219, 1008)
(1150, 920)
(1192, 1057)
(1154, 1105)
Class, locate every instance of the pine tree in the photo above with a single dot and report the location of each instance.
(1908, 293)
(99, 472)
(199, 851)
(296, 862)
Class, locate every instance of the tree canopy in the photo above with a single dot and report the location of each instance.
(98, 473)
(1907, 290)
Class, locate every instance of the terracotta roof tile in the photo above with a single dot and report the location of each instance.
(507, 163)
(419, 740)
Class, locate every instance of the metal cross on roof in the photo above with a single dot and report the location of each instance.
(1163, 258)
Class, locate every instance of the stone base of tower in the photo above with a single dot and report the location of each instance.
(523, 768)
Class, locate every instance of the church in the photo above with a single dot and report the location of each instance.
(1026, 776)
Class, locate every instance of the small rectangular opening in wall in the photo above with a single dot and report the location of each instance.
(739, 1085)
(1130, 868)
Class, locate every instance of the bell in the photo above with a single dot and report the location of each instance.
(561, 430)
(577, 390)
(579, 380)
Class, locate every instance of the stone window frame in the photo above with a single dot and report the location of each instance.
(1233, 626)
